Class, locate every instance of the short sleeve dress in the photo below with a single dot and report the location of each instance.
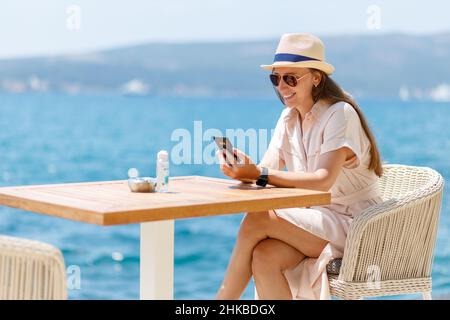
(326, 128)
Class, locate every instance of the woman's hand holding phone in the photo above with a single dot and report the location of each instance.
(245, 170)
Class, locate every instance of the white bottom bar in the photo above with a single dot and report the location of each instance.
(157, 260)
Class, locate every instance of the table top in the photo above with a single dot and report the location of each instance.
(112, 202)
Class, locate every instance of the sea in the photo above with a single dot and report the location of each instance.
(59, 138)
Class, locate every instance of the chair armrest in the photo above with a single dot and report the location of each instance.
(393, 240)
(31, 270)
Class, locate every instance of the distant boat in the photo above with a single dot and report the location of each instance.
(441, 93)
(135, 87)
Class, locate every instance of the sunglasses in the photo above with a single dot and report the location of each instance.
(290, 79)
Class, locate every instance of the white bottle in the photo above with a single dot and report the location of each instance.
(162, 171)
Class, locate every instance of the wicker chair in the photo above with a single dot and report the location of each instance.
(31, 270)
(389, 247)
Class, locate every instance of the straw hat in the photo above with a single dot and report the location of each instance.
(301, 50)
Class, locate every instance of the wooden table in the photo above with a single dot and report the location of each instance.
(111, 203)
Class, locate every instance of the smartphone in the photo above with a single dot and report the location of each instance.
(224, 144)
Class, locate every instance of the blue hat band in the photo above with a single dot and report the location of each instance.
(292, 57)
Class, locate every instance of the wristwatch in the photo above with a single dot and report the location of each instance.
(263, 178)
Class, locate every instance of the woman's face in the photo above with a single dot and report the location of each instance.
(301, 93)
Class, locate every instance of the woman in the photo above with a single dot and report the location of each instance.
(324, 141)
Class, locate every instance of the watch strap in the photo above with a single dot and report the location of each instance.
(263, 179)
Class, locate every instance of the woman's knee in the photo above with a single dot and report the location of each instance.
(253, 223)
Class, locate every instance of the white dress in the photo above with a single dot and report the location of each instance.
(327, 127)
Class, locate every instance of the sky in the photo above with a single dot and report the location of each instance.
(51, 27)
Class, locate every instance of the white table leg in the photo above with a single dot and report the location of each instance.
(157, 259)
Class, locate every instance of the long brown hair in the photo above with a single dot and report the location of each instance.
(329, 90)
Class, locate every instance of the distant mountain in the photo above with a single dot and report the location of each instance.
(366, 65)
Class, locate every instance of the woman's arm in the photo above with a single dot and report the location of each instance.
(329, 167)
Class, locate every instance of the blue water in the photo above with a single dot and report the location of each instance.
(53, 138)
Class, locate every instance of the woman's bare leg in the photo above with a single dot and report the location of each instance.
(255, 227)
(239, 270)
(271, 257)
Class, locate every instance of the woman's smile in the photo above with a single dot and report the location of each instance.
(289, 96)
